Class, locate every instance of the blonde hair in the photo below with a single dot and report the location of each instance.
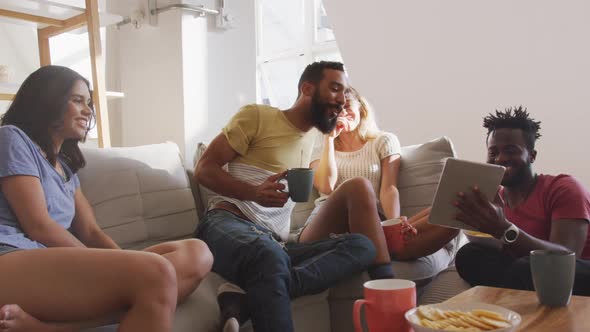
(367, 128)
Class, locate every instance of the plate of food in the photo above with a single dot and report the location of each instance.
(482, 238)
(470, 317)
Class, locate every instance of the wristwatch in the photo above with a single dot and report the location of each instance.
(510, 234)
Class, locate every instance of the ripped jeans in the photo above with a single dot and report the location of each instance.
(272, 272)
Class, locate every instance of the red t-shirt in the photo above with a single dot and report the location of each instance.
(554, 198)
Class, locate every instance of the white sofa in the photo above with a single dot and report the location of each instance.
(142, 196)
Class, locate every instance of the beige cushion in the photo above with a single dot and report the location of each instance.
(421, 167)
(140, 195)
(447, 284)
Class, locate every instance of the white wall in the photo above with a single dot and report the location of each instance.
(183, 79)
(13, 39)
(232, 66)
(435, 68)
(149, 63)
(17, 43)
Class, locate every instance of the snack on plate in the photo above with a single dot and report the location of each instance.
(455, 320)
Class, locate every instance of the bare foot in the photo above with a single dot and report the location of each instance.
(15, 319)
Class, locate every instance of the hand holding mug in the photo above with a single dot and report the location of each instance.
(300, 183)
(397, 233)
(409, 232)
(269, 193)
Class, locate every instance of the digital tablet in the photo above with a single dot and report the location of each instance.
(461, 176)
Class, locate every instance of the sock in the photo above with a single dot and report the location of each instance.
(380, 271)
(233, 304)
(231, 325)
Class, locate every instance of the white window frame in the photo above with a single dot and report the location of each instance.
(306, 52)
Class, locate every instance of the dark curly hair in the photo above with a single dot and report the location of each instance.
(39, 107)
(314, 72)
(514, 118)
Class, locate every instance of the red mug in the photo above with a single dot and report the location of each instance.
(392, 229)
(386, 301)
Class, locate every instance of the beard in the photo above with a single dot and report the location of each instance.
(519, 176)
(320, 114)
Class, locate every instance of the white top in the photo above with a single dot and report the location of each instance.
(365, 162)
(276, 219)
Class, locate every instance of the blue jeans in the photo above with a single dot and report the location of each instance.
(271, 272)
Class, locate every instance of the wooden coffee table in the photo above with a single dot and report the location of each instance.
(535, 317)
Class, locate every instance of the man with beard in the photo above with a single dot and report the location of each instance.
(531, 211)
(247, 224)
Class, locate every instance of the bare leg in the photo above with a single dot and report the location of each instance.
(429, 240)
(85, 284)
(352, 207)
(191, 259)
(14, 319)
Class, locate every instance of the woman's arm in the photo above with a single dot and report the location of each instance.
(85, 227)
(27, 199)
(388, 194)
(326, 172)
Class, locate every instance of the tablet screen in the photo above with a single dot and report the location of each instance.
(462, 175)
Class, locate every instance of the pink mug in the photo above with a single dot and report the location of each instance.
(386, 301)
(392, 228)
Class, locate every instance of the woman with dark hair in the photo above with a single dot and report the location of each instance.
(60, 272)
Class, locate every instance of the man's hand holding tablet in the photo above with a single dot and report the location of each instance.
(464, 196)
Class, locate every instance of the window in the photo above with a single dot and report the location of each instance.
(290, 35)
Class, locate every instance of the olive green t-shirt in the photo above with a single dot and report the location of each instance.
(267, 143)
(264, 137)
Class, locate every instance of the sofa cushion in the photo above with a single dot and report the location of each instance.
(140, 195)
(420, 171)
(447, 284)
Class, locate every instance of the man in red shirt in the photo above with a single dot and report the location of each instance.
(531, 211)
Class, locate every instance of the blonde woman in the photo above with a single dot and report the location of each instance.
(356, 148)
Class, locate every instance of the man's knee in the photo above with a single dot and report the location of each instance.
(360, 247)
(518, 276)
(268, 259)
(467, 253)
(467, 260)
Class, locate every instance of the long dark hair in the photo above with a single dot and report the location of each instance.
(39, 107)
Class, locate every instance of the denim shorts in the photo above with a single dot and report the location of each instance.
(5, 249)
